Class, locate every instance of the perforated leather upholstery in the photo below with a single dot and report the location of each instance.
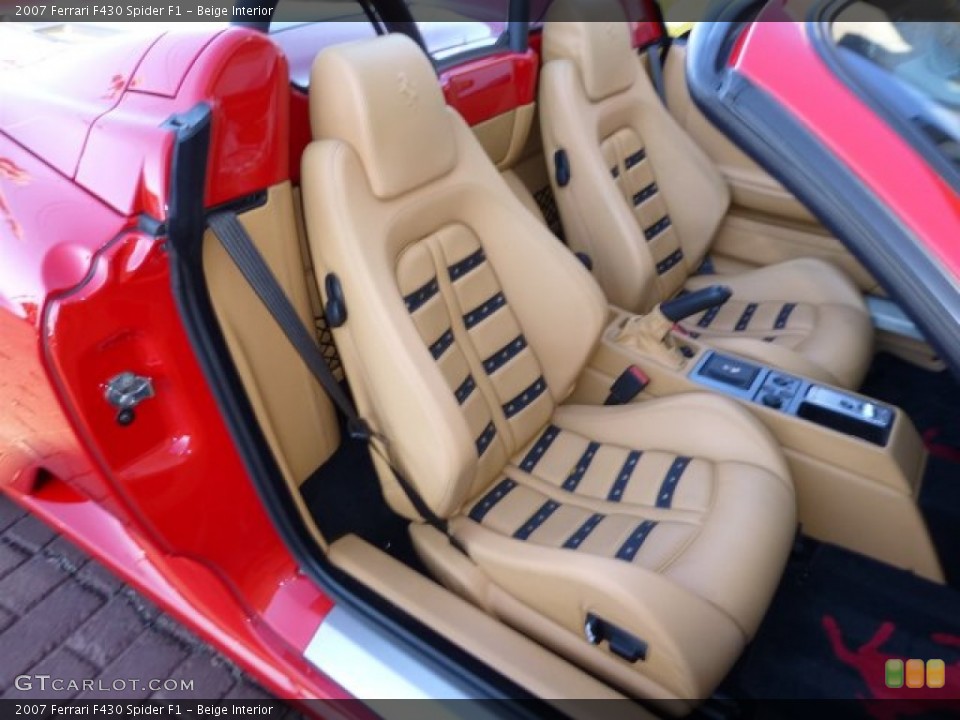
(468, 325)
(645, 203)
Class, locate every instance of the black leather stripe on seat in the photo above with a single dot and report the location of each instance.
(648, 192)
(669, 485)
(465, 390)
(670, 262)
(746, 317)
(442, 344)
(539, 448)
(486, 503)
(484, 310)
(485, 438)
(536, 520)
(580, 469)
(784, 316)
(635, 159)
(628, 551)
(525, 398)
(470, 262)
(415, 300)
(658, 227)
(583, 532)
(505, 354)
(709, 316)
(623, 477)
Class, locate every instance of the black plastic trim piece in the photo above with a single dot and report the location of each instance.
(518, 17)
(189, 288)
(561, 167)
(786, 149)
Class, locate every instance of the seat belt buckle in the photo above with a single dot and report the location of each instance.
(625, 388)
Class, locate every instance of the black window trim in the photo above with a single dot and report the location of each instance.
(820, 20)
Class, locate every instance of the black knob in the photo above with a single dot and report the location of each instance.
(771, 400)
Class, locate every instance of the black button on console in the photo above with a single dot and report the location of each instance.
(772, 400)
(731, 371)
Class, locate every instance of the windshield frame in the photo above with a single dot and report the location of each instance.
(820, 30)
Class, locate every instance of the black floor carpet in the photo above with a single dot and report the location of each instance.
(837, 617)
(344, 497)
(932, 400)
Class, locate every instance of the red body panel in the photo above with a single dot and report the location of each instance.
(166, 500)
(492, 85)
(93, 76)
(899, 175)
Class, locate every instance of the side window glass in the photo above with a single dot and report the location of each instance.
(452, 29)
(302, 28)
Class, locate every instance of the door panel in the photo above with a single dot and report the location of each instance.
(505, 135)
(766, 223)
(496, 95)
(746, 240)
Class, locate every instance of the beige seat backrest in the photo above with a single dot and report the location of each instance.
(642, 200)
(466, 320)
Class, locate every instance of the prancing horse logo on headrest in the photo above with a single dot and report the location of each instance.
(407, 89)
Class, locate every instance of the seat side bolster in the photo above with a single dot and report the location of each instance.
(595, 218)
(692, 643)
(523, 194)
(697, 195)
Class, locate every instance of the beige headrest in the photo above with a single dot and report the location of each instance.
(594, 35)
(382, 97)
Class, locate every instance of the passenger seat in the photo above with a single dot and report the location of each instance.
(644, 203)
(643, 542)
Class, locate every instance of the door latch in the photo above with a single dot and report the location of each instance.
(125, 391)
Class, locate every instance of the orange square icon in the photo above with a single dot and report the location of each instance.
(915, 673)
(936, 674)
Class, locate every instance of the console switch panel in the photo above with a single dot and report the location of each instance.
(731, 371)
(855, 416)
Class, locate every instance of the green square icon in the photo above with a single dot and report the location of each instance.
(893, 673)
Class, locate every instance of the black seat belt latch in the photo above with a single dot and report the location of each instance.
(625, 388)
(358, 429)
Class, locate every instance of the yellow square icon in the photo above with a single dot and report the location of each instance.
(936, 674)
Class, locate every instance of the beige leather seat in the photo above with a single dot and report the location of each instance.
(467, 326)
(644, 202)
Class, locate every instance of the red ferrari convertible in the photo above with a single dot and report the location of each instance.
(500, 350)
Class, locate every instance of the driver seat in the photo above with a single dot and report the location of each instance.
(643, 542)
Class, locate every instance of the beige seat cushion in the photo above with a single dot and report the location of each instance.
(617, 510)
(804, 316)
(645, 203)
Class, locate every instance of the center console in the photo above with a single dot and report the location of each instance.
(835, 409)
(857, 463)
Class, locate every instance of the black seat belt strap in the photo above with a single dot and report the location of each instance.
(235, 240)
(654, 51)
